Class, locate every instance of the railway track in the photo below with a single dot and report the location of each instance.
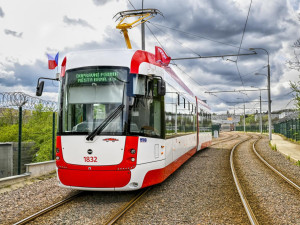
(228, 138)
(122, 207)
(251, 213)
(48, 209)
(242, 195)
(114, 218)
(274, 170)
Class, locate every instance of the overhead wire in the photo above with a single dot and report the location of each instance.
(131, 4)
(175, 63)
(196, 35)
(156, 38)
(244, 30)
(175, 39)
(179, 67)
(155, 25)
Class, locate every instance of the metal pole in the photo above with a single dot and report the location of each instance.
(269, 93)
(53, 136)
(143, 35)
(20, 140)
(269, 102)
(244, 119)
(260, 116)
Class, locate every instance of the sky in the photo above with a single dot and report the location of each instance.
(188, 28)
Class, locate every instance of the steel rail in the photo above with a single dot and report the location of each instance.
(244, 200)
(49, 208)
(226, 139)
(127, 206)
(273, 169)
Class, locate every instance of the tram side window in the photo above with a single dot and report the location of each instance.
(189, 122)
(201, 120)
(206, 125)
(209, 121)
(181, 116)
(170, 110)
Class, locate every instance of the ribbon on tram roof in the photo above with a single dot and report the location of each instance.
(161, 56)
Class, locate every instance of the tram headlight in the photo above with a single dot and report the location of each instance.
(57, 158)
(132, 151)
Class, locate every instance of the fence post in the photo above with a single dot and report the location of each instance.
(297, 127)
(53, 136)
(20, 140)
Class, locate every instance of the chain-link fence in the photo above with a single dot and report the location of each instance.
(25, 118)
(289, 129)
(252, 128)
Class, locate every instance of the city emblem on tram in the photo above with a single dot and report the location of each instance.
(110, 139)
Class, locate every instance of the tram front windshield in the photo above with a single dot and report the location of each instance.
(92, 97)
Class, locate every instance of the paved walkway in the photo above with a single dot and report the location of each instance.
(286, 147)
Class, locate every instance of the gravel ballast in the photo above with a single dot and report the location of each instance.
(201, 191)
(272, 200)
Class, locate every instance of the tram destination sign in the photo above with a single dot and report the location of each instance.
(96, 77)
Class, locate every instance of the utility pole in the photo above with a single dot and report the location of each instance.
(244, 118)
(269, 100)
(143, 29)
(244, 114)
(20, 141)
(269, 92)
(143, 35)
(260, 117)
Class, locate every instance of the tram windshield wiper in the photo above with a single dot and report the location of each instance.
(105, 122)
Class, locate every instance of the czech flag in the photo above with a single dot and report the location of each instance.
(161, 57)
(52, 61)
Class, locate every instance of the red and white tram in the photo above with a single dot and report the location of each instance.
(125, 121)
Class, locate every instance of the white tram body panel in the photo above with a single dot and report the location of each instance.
(98, 148)
(107, 162)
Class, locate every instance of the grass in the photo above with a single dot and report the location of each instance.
(273, 147)
(298, 163)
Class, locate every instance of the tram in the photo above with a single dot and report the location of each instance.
(125, 121)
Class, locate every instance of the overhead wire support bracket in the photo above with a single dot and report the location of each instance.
(143, 14)
(214, 56)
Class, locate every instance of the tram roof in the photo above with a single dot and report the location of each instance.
(139, 62)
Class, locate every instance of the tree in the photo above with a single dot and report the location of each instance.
(295, 62)
(36, 127)
(296, 89)
(8, 116)
(295, 65)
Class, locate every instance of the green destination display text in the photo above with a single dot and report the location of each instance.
(95, 77)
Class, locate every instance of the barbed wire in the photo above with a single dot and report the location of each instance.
(17, 99)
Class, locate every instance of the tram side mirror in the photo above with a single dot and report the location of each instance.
(161, 87)
(39, 88)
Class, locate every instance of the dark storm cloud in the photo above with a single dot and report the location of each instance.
(210, 24)
(216, 22)
(76, 22)
(1, 13)
(27, 75)
(113, 40)
(13, 33)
